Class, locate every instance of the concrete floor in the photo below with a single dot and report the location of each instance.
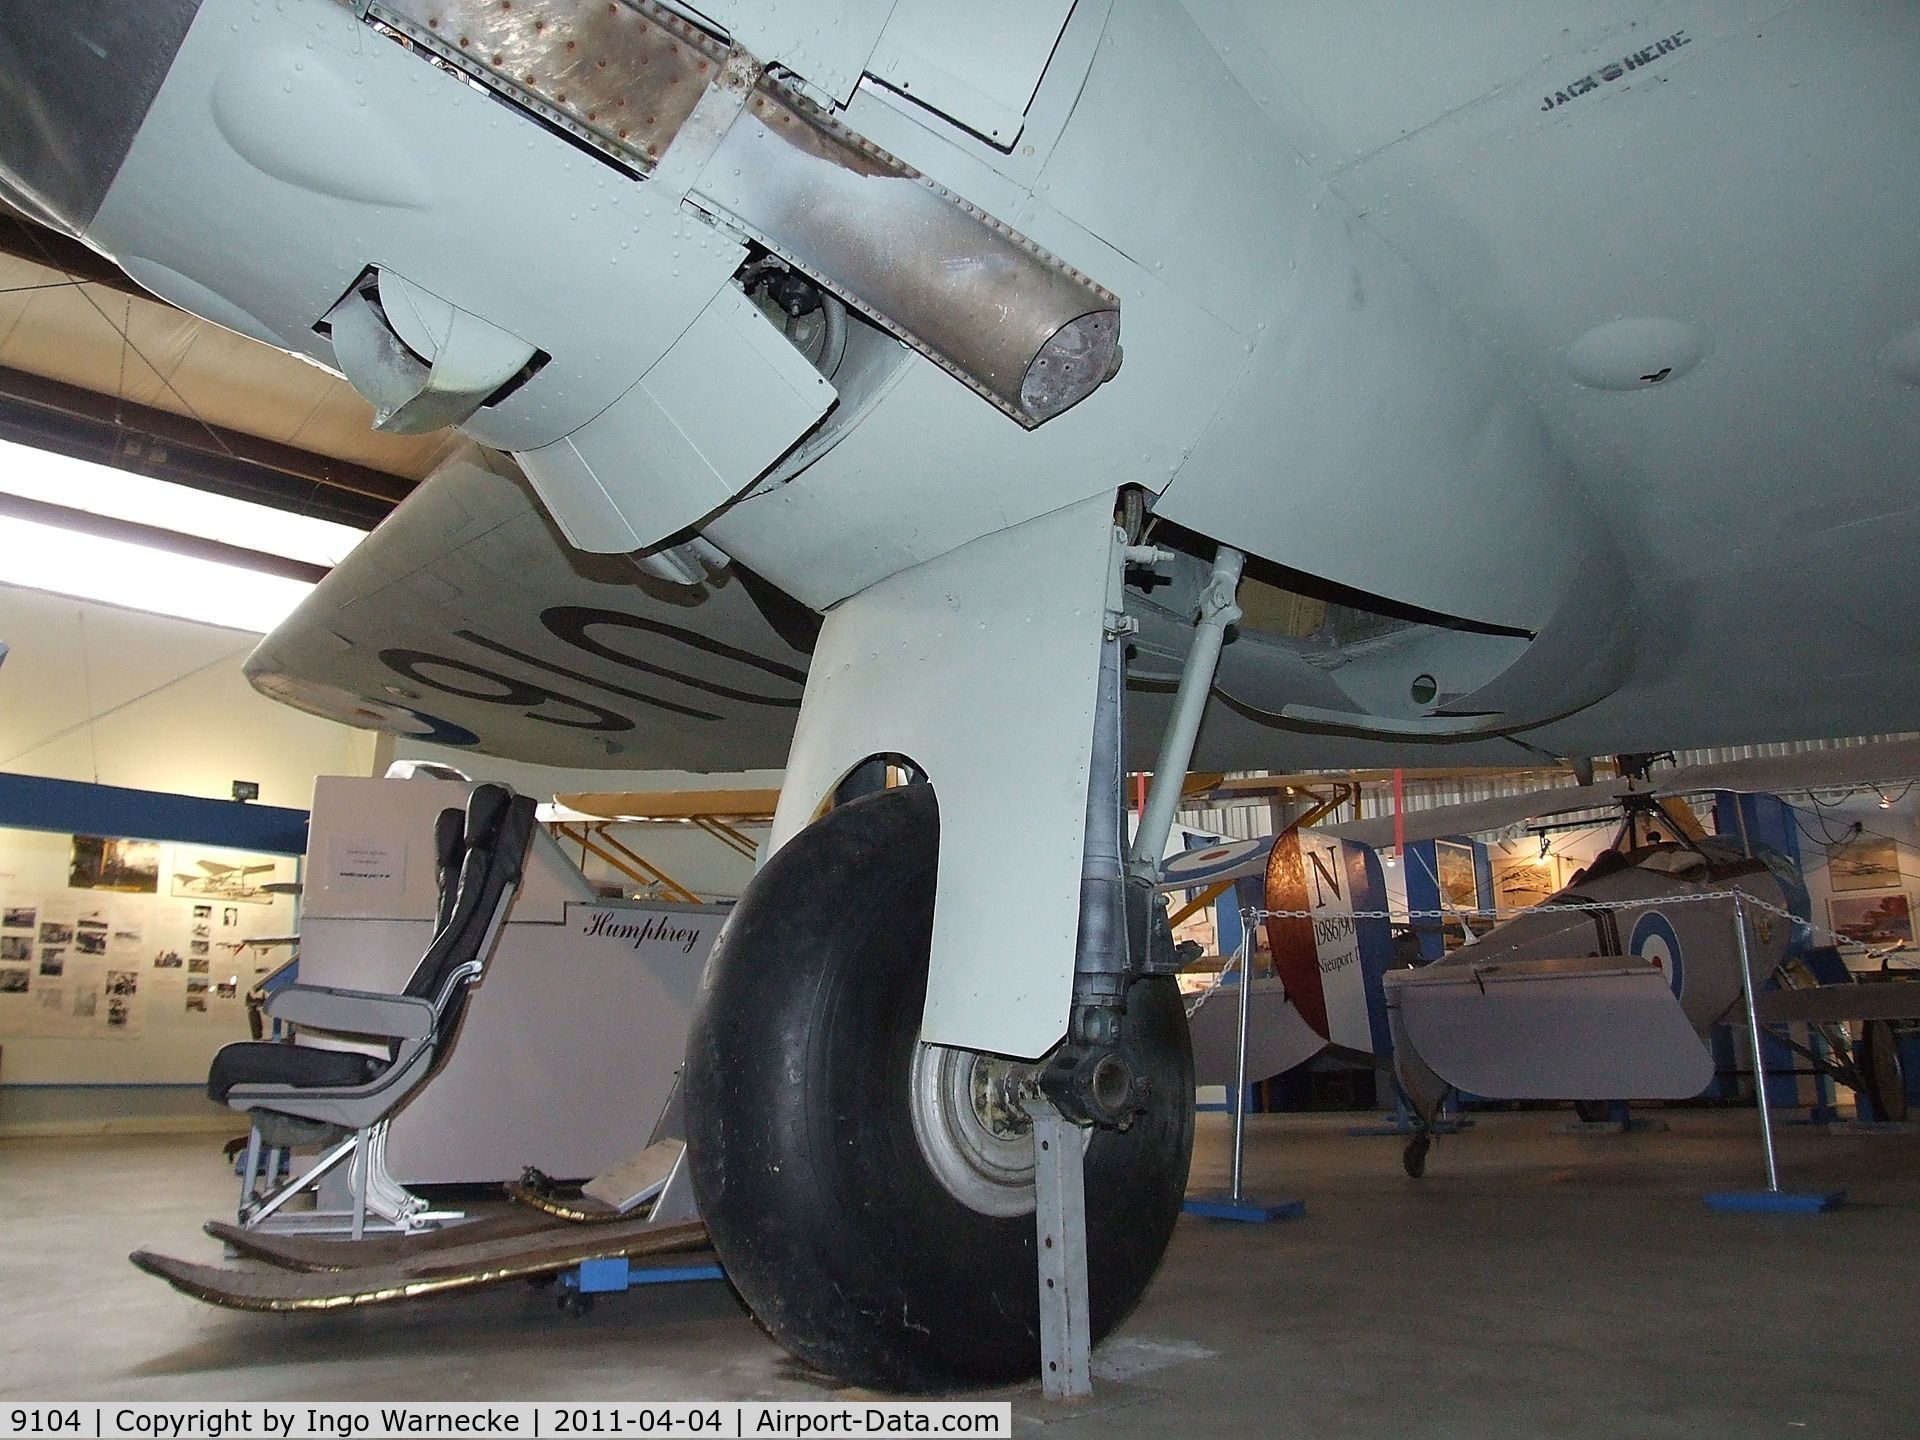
(1532, 1285)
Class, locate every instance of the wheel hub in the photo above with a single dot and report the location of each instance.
(972, 1130)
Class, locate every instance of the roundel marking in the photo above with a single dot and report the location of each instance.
(1654, 939)
(1196, 867)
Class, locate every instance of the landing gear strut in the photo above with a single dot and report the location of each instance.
(873, 1198)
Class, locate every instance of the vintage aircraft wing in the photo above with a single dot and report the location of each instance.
(467, 620)
(1879, 763)
(1479, 816)
(1883, 762)
(1277, 1037)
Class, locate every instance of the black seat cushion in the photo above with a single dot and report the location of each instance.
(269, 1062)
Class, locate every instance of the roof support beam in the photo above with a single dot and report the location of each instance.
(71, 420)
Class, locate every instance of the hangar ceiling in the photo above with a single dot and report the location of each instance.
(93, 366)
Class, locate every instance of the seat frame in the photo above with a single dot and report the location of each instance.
(410, 1024)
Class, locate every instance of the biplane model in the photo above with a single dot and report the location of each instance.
(1608, 988)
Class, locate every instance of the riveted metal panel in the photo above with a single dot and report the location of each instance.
(977, 64)
(623, 76)
(826, 45)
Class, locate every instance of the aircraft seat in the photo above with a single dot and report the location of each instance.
(299, 1094)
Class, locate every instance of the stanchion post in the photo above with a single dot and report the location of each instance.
(1235, 1205)
(1240, 1069)
(1753, 1031)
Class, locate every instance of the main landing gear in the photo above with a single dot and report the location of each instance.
(872, 1198)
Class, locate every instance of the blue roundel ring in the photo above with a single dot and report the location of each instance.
(1654, 938)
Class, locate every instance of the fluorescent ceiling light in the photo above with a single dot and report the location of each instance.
(39, 554)
(91, 567)
(82, 485)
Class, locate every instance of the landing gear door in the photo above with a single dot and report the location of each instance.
(981, 667)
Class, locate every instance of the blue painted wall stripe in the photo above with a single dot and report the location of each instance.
(33, 802)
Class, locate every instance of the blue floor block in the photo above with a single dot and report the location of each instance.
(1777, 1202)
(1252, 1212)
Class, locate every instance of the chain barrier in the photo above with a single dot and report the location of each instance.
(1253, 914)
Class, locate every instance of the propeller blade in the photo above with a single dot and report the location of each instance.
(1886, 762)
(1478, 816)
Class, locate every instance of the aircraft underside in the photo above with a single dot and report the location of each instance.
(1467, 394)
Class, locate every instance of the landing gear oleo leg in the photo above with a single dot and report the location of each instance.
(883, 1000)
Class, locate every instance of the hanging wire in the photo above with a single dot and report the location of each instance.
(81, 287)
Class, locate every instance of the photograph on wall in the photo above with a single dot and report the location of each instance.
(199, 947)
(118, 1012)
(54, 932)
(1864, 862)
(227, 876)
(202, 930)
(122, 982)
(197, 985)
(54, 998)
(19, 917)
(53, 961)
(1520, 881)
(1459, 881)
(229, 917)
(197, 965)
(131, 867)
(86, 1004)
(14, 979)
(90, 942)
(1872, 919)
(196, 1004)
(16, 947)
(227, 989)
(167, 960)
(126, 935)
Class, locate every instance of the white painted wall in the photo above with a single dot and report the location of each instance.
(94, 693)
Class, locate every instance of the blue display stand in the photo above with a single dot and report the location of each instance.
(615, 1274)
(1776, 1202)
(1251, 1212)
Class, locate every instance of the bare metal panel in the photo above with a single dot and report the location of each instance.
(623, 76)
(827, 45)
(1026, 330)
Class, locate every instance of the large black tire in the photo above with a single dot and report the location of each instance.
(1878, 1058)
(843, 1241)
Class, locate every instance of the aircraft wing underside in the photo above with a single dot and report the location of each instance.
(466, 620)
